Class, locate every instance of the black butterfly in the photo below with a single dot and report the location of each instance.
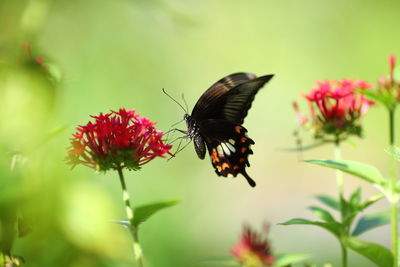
(216, 123)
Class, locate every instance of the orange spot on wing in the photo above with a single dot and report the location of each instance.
(244, 149)
(214, 156)
(236, 167)
(243, 139)
(225, 165)
(219, 168)
(241, 160)
(238, 129)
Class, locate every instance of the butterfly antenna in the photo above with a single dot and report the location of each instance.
(165, 92)
(186, 105)
(177, 123)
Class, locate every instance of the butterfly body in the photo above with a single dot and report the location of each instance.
(216, 123)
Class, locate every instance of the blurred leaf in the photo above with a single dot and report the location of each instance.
(396, 74)
(371, 221)
(24, 227)
(329, 201)
(290, 258)
(372, 200)
(349, 212)
(142, 213)
(364, 171)
(322, 213)
(307, 147)
(383, 98)
(225, 261)
(332, 227)
(394, 152)
(125, 223)
(374, 252)
(355, 198)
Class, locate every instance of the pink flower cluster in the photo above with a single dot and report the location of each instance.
(336, 107)
(389, 86)
(117, 140)
(253, 250)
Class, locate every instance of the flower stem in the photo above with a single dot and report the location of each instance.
(339, 183)
(339, 174)
(344, 254)
(394, 198)
(129, 212)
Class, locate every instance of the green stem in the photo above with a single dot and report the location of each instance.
(394, 198)
(129, 212)
(339, 183)
(339, 174)
(344, 254)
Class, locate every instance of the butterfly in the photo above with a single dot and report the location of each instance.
(215, 123)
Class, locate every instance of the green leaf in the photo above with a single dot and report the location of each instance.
(224, 261)
(375, 198)
(322, 213)
(394, 152)
(142, 213)
(307, 147)
(289, 259)
(332, 227)
(364, 171)
(355, 198)
(374, 252)
(383, 98)
(371, 221)
(329, 201)
(125, 223)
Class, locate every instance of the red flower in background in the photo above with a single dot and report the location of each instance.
(253, 250)
(389, 87)
(336, 108)
(117, 140)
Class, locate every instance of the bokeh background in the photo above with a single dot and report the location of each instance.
(102, 55)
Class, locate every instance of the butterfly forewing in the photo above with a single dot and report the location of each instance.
(218, 89)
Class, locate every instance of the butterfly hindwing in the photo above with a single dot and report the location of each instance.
(229, 148)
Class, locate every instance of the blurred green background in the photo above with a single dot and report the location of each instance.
(106, 54)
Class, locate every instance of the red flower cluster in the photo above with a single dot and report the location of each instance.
(120, 139)
(252, 250)
(336, 107)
